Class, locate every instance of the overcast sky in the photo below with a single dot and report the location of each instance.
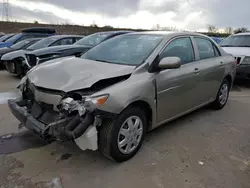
(182, 14)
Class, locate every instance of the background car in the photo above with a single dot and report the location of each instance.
(16, 63)
(20, 45)
(120, 89)
(28, 33)
(6, 37)
(78, 48)
(239, 46)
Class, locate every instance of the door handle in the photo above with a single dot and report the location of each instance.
(221, 64)
(196, 71)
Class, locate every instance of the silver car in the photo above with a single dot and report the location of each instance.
(119, 90)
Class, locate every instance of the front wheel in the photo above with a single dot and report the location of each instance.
(121, 138)
(222, 95)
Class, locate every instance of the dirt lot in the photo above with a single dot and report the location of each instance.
(206, 149)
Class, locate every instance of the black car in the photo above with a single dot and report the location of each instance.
(78, 48)
(20, 45)
(15, 62)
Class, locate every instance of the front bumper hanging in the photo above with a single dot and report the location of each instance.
(68, 128)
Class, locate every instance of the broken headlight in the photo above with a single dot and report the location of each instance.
(69, 105)
(92, 103)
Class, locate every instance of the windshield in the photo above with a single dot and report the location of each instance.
(93, 40)
(20, 44)
(5, 37)
(236, 41)
(125, 49)
(14, 38)
(42, 43)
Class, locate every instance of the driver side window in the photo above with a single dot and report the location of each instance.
(180, 47)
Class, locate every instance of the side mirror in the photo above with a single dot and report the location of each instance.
(170, 63)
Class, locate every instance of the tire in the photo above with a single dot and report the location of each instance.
(218, 103)
(110, 134)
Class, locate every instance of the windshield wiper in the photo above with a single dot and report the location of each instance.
(102, 60)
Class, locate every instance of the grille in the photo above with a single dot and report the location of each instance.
(43, 112)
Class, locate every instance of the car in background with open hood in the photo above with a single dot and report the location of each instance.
(16, 62)
(18, 46)
(77, 49)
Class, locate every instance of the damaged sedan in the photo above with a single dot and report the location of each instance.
(124, 87)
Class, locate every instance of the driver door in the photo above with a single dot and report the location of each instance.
(177, 88)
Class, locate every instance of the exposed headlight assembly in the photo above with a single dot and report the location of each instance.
(88, 104)
(94, 102)
(246, 61)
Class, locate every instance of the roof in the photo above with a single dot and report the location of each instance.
(170, 33)
(65, 36)
(115, 32)
(247, 33)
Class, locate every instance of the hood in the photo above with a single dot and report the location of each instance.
(55, 49)
(69, 74)
(237, 51)
(12, 55)
(5, 50)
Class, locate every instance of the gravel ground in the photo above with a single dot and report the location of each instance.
(206, 149)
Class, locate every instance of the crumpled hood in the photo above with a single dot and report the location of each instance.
(12, 55)
(69, 74)
(237, 51)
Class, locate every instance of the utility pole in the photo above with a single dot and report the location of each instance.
(5, 10)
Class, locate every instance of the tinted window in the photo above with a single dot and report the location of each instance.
(14, 38)
(20, 44)
(42, 43)
(94, 39)
(205, 48)
(25, 37)
(125, 49)
(182, 48)
(236, 41)
(66, 41)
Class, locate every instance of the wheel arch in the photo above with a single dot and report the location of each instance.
(147, 109)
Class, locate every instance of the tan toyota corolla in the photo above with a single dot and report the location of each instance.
(111, 96)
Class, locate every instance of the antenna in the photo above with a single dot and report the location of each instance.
(5, 10)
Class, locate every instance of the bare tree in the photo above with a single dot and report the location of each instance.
(229, 30)
(212, 29)
(159, 28)
(241, 30)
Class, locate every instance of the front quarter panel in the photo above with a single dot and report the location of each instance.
(139, 87)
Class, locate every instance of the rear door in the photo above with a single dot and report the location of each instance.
(211, 68)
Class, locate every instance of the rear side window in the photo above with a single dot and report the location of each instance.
(180, 47)
(65, 41)
(206, 48)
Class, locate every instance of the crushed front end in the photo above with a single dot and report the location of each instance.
(54, 115)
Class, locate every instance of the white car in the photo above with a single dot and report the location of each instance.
(239, 46)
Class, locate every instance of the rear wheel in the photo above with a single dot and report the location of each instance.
(121, 138)
(222, 95)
